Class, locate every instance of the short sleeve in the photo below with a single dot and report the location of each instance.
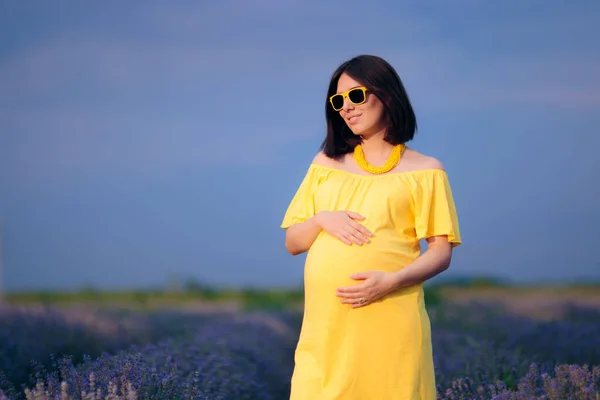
(435, 210)
(302, 206)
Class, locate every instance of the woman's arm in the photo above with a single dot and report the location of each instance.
(299, 237)
(377, 284)
(431, 263)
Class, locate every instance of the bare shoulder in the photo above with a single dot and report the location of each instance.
(322, 159)
(419, 161)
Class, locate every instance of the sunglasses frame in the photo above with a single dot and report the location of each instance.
(347, 95)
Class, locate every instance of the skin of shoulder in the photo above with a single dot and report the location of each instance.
(419, 161)
(322, 159)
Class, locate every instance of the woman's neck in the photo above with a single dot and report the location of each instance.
(375, 148)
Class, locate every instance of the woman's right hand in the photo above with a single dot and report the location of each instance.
(343, 225)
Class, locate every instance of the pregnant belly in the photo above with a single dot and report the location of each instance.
(330, 262)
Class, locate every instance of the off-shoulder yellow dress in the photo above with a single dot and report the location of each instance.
(381, 351)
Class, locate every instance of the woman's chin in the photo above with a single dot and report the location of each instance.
(356, 131)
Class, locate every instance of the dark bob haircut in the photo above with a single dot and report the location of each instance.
(383, 81)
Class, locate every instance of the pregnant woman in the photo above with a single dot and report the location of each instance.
(366, 202)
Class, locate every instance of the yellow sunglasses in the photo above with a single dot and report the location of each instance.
(357, 95)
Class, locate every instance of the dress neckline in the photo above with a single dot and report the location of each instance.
(373, 176)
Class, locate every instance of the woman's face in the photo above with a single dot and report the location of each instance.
(364, 119)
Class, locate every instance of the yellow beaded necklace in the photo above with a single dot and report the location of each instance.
(392, 161)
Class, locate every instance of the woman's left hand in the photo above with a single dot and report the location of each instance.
(375, 285)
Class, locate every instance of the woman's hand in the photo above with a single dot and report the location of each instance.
(375, 285)
(343, 226)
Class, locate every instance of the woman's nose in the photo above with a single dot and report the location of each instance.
(348, 104)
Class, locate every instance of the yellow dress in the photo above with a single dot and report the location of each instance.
(381, 351)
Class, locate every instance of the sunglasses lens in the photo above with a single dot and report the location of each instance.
(356, 96)
(337, 101)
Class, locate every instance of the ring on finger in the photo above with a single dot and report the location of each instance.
(361, 300)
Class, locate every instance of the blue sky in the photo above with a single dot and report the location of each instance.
(141, 140)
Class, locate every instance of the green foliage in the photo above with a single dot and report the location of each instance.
(472, 281)
(203, 290)
(433, 295)
(270, 299)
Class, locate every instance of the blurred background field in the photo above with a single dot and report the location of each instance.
(193, 293)
(491, 340)
(532, 300)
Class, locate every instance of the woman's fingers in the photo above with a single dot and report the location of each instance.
(351, 231)
(352, 236)
(354, 215)
(360, 228)
(355, 236)
(356, 301)
(348, 238)
(362, 236)
(364, 230)
(358, 234)
(343, 238)
(352, 294)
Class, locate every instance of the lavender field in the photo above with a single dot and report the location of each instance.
(487, 345)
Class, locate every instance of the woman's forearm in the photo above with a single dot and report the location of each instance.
(299, 237)
(431, 263)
